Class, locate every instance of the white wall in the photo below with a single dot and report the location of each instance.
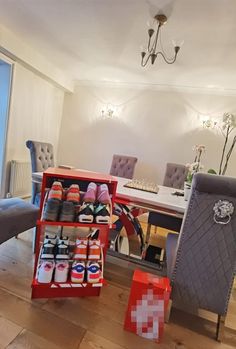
(156, 126)
(35, 113)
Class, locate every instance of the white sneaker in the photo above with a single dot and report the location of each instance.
(77, 272)
(61, 271)
(45, 271)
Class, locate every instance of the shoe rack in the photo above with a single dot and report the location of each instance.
(68, 177)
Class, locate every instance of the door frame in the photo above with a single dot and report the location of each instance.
(3, 176)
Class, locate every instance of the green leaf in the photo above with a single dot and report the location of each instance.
(211, 171)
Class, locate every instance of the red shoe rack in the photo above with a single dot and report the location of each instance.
(68, 177)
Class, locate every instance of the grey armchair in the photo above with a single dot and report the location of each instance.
(202, 260)
(175, 176)
(16, 216)
(123, 166)
(42, 157)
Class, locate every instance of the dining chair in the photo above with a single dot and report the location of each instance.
(201, 260)
(175, 177)
(16, 216)
(42, 157)
(123, 166)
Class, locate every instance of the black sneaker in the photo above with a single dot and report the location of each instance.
(67, 212)
(63, 249)
(51, 210)
(86, 213)
(48, 250)
(102, 213)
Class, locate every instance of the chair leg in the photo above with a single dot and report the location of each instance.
(220, 328)
(167, 312)
(148, 233)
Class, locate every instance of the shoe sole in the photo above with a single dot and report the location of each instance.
(80, 256)
(103, 220)
(85, 218)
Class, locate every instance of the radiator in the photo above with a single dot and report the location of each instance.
(20, 179)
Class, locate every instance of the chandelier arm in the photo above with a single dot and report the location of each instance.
(168, 61)
(143, 64)
(156, 38)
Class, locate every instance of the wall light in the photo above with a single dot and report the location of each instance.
(108, 112)
(209, 123)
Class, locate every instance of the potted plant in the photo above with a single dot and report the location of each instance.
(193, 168)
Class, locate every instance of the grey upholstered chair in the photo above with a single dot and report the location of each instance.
(123, 166)
(42, 157)
(175, 176)
(16, 216)
(201, 260)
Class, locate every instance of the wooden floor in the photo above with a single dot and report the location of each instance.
(87, 323)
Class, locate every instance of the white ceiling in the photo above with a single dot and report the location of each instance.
(100, 40)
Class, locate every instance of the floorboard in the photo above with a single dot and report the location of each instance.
(89, 323)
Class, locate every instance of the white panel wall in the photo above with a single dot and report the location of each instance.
(35, 113)
(157, 127)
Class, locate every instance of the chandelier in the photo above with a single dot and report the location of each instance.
(152, 51)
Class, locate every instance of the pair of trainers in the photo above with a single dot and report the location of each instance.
(96, 205)
(55, 248)
(56, 209)
(81, 271)
(46, 269)
(87, 249)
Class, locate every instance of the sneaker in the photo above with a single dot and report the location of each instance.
(86, 213)
(61, 271)
(45, 271)
(77, 272)
(81, 248)
(49, 245)
(103, 196)
(51, 210)
(94, 249)
(91, 193)
(63, 248)
(93, 272)
(94, 235)
(73, 194)
(56, 191)
(67, 212)
(102, 214)
(103, 208)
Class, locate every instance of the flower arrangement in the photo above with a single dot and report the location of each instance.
(228, 125)
(196, 166)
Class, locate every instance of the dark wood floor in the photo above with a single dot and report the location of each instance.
(88, 323)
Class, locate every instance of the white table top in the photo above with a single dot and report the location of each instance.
(162, 200)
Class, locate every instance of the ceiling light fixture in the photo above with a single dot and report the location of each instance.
(152, 50)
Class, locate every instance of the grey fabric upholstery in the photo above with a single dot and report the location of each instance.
(204, 258)
(41, 158)
(175, 176)
(123, 166)
(16, 216)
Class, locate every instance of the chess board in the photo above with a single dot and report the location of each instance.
(140, 186)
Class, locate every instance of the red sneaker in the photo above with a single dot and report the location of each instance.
(94, 250)
(81, 248)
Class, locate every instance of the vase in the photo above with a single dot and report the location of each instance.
(187, 190)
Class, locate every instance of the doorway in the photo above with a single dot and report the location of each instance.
(5, 91)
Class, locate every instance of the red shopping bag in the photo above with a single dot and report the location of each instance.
(148, 301)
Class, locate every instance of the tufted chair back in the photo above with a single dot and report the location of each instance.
(123, 166)
(175, 176)
(41, 158)
(203, 260)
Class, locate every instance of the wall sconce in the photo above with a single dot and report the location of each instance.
(209, 123)
(108, 112)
